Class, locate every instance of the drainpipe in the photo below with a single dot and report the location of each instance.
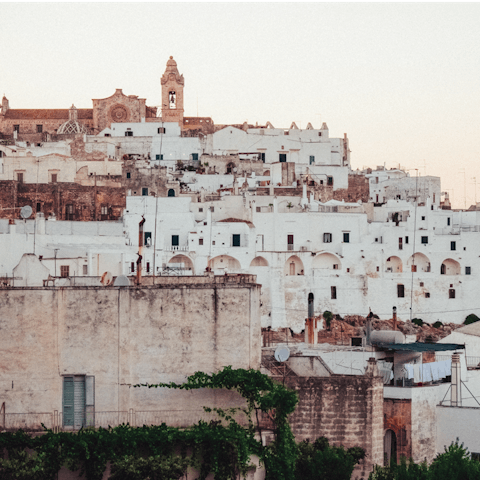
(456, 398)
(394, 318)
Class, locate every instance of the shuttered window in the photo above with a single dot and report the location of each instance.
(78, 401)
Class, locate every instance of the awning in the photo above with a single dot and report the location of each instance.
(420, 347)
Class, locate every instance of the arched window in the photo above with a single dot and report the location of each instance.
(310, 305)
(171, 192)
(389, 447)
(172, 99)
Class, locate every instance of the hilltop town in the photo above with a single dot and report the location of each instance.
(140, 245)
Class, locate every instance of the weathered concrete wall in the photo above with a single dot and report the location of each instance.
(126, 336)
(398, 418)
(458, 422)
(348, 410)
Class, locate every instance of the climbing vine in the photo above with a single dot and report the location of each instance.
(222, 447)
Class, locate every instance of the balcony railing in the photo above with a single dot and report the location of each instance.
(176, 248)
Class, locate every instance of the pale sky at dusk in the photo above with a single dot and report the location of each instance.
(402, 80)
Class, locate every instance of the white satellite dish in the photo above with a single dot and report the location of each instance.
(106, 279)
(26, 211)
(282, 354)
(121, 281)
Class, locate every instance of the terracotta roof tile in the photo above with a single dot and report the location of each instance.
(47, 114)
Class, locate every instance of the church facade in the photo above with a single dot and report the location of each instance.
(31, 124)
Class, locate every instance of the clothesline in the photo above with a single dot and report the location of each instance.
(428, 372)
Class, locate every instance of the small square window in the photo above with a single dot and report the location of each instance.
(235, 240)
(161, 130)
(129, 134)
(200, 241)
(282, 157)
(330, 181)
(20, 177)
(327, 238)
(468, 270)
(200, 209)
(213, 242)
(129, 175)
(16, 128)
(85, 269)
(39, 128)
(159, 156)
(175, 240)
(378, 269)
(64, 271)
(312, 159)
(144, 192)
(423, 218)
(451, 293)
(427, 294)
(421, 284)
(212, 209)
(54, 178)
(348, 270)
(424, 240)
(346, 237)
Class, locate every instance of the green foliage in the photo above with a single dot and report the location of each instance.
(404, 471)
(157, 467)
(437, 324)
(472, 318)
(418, 322)
(320, 461)
(328, 316)
(455, 464)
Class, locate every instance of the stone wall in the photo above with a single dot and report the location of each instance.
(224, 164)
(124, 336)
(358, 189)
(48, 198)
(346, 409)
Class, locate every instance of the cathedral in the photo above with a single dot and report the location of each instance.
(36, 124)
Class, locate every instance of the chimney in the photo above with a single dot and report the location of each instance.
(456, 398)
(372, 369)
(394, 318)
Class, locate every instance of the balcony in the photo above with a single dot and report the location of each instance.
(176, 248)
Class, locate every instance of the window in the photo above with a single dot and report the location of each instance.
(235, 240)
(282, 157)
(20, 177)
(423, 218)
(16, 128)
(427, 294)
(400, 291)
(327, 238)
(424, 240)
(414, 268)
(79, 401)
(39, 128)
(194, 157)
(468, 270)
(400, 243)
(312, 159)
(378, 268)
(319, 134)
(64, 271)
(147, 238)
(330, 181)
(448, 221)
(129, 134)
(171, 192)
(348, 270)
(451, 293)
(161, 130)
(54, 177)
(69, 212)
(129, 175)
(200, 241)
(453, 245)
(132, 267)
(356, 341)
(159, 156)
(104, 209)
(443, 269)
(335, 266)
(376, 179)
(289, 242)
(39, 207)
(85, 269)
(212, 209)
(421, 284)
(406, 240)
(148, 267)
(262, 156)
(172, 99)
(175, 240)
(346, 237)
(144, 192)
(333, 293)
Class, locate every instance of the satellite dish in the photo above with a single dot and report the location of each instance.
(282, 354)
(107, 279)
(26, 211)
(121, 281)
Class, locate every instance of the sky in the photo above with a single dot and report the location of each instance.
(401, 79)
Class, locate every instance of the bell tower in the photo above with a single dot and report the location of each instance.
(172, 93)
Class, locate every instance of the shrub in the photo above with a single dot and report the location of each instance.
(438, 324)
(328, 316)
(418, 322)
(472, 318)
